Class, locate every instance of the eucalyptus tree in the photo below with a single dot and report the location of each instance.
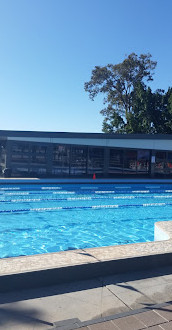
(118, 82)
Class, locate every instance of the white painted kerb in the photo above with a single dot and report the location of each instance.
(163, 230)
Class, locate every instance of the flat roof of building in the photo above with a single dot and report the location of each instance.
(10, 133)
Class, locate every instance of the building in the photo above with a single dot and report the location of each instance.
(51, 154)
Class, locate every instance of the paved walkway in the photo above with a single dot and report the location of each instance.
(103, 303)
(156, 318)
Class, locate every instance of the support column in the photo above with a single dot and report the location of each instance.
(49, 159)
(106, 162)
(152, 164)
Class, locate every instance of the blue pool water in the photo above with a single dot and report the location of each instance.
(49, 218)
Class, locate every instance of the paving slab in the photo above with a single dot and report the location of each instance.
(165, 312)
(133, 298)
(84, 300)
(129, 323)
(150, 318)
(166, 326)
(147, 282)
(109, 325)
(158, 293)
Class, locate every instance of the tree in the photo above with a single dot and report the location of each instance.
(165, 109)
(118, 83)
(151, 112)
(140, 118)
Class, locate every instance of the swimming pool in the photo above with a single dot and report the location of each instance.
(37, 219)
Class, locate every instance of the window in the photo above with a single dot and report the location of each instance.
(130, 161)
(61, 159)
(20, 171)
(20, 148)
(20, 153)
(38, 154)
(40, 171)
(20, 158)
(143, 157)
(78, 160)
(39, 149)
(169, 163)
(95, 160)
(160, 161)
(115, 161)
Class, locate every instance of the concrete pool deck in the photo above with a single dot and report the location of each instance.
(103, 303)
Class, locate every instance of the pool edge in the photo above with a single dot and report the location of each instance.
(29, 272)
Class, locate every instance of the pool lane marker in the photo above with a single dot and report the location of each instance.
(37, 193)
(51, 188)
(10, 188)
(152, 187)
(28, 200)
(79, 198)
(83, 207)
(88, 188)
(140, 191)
(123, 187)
(104, 206)
(168, 196)
(105, 192)
(156, 204)
(15, 194)
(64, 192)
(113, 191)
(92, 192)
(123, 197)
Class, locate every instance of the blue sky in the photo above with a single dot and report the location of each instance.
(49, 48)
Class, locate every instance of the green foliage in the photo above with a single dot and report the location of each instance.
(131, 106)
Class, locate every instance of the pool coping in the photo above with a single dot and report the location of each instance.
(83, 180)
(27, 272)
